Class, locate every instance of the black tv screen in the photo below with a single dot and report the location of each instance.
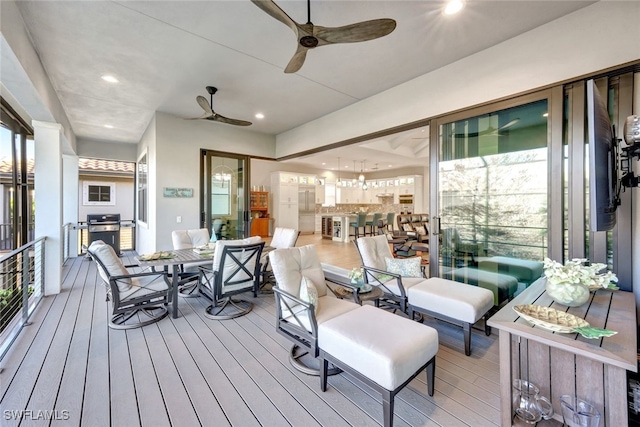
(603, 167)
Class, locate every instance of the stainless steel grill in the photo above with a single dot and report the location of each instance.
(105, 227)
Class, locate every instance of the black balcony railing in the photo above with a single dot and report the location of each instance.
(21, 289)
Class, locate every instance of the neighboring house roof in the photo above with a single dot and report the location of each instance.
(88, 166)
(84, 166)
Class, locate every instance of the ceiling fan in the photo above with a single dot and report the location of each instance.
(310, 36)
(209, 114)
(489, 131)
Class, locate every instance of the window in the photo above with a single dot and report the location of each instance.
(98, 193)
(143, 196)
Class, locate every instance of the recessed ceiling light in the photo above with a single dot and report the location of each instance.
(108, 126)
(545, 115)
(259, 116)
(453, 7)
(390, 166)
(110, 79)
(324, 163)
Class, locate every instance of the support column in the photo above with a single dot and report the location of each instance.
(70, 191)
(49, 199)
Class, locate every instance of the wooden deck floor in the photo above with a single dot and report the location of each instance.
(68, 369)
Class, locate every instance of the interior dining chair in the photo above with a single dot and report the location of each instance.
(361, 222)
(138, 299)
(235, 270)
(372, 224)
(188, 239)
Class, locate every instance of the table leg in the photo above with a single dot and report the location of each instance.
(174, 290)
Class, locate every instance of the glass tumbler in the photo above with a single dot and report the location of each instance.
(578, 413)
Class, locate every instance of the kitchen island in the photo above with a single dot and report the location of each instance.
(567, 363)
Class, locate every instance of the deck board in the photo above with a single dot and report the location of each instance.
(194, 371)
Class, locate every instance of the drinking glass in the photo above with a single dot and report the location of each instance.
(578, 413)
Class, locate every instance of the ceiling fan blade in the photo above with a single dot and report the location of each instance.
(298, 59)
(222, 119)
(358, 32)
(274, 10)
(204, 104)
(204, 116)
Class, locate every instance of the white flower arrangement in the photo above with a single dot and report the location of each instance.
(356, 274)
(575, 271)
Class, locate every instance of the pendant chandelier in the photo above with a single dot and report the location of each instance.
(339, 182)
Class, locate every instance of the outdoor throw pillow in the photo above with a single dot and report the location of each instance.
(309, 293)
(407, 227)
(405, 267)
(420, 230)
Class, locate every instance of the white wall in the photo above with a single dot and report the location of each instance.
(146, 232)
(594, 38)
(178, 145)
(107, 150)
(124, 198)
(24, 77)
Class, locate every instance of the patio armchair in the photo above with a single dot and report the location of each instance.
(296, 319)
(132, 295)
(235, 270)
(187, 239)
(282, 238)
(376, 256)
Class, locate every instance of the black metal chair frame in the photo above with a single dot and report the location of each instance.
(211, 282)
(153, 305)
(389, 299)
(304, 341)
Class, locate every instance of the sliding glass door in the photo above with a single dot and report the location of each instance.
(492, 188)
(224, 198)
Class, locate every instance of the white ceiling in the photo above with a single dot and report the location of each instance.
(164, 53)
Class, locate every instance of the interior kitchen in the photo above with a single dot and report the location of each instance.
(325, 201)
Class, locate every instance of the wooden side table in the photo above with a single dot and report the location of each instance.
(374, 294)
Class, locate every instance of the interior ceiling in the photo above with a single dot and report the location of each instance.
(164, 53)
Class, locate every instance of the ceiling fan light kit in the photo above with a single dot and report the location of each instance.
(310, 36)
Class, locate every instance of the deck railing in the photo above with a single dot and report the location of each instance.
(127, 237)
(21, 289)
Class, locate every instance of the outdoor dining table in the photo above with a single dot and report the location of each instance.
(175, 259)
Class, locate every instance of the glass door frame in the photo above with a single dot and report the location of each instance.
(554, 98)
(206, 216)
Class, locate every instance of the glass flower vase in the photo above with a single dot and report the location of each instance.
(569, 294)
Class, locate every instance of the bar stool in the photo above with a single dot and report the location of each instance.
(360, 222)
(390, 217)
(373, 224)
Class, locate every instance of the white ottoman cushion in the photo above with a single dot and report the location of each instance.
(466, 303)
(384, 347)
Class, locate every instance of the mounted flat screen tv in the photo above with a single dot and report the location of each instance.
(603, 163)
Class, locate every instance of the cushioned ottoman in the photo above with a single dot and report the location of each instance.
(525, 271)
(503, 286)
(382, 349)
(453, 302)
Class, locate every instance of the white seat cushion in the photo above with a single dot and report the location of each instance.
(407, 283)
(450, 298)
(144, 285)
(384, 347)
(112, 263)
(328, 308)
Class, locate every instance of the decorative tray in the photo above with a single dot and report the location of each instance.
(550, 318)
(155, 256)
(559, 321)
